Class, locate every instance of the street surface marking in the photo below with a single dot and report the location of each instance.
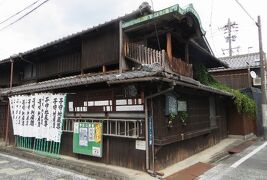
(3, 162)
(12, 171)
(240, 161)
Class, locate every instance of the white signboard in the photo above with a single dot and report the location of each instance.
(182, 106)
(140, 145)
(38, 115)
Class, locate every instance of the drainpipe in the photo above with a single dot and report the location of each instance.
(8, 107)
(152, 172)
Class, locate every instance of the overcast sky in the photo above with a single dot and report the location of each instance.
(58, 18)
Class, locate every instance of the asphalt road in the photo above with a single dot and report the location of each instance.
(251, 164)
(13, 168)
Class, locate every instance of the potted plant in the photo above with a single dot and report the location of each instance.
(183, 117)
(171, 119)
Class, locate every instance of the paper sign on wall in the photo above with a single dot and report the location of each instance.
(87, 138)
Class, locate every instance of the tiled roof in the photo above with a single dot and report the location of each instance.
(154, 71)
(242, 61)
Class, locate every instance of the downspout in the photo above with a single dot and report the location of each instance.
(152, 172)
(8, 106)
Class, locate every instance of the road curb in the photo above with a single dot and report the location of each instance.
(82, 168)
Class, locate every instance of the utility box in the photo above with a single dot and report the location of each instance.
(87, 138)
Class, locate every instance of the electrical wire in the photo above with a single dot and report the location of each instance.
(156, 30)
(24, 15)
(246, 11)
(211, 30)
(10, 17)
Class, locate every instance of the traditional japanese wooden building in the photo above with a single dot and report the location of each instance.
(135, 74)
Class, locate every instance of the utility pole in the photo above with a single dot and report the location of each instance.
(263, 88)
(229, 29)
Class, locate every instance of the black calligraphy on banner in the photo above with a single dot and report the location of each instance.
(38, 115)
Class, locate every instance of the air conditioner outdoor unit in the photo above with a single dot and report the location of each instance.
(257, 81)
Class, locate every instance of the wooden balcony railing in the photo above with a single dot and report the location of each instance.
(181, 67)
(143, 55)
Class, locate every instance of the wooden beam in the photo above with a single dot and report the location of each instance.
(82, 59)
(104, 69)
(8, 106)
(187, 53)
(169, 47)
(150, 34)
(122, 62)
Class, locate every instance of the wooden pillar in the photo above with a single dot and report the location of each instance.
(169, 47)
(187, 53)
(81, 60)
(104, 69)
(8, 106)
(122, 62)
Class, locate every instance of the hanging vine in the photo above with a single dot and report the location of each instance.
(243, 103)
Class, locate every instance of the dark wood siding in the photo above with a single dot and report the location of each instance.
(221, 116)
(60, 65)
(198, 110)
(120, 151)
(21, 72)
(116, 151)
(236, 79)
(101, 49)
(3, 109)
(240, 124)
(175, 152)
(198, 116)
(4, 75)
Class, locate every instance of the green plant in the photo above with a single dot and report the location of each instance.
(183, 116)
(171, 118)
(243, 103)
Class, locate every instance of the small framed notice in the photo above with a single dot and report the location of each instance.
(70, 106)
(171, 104)
(182, 105)
(140, 145)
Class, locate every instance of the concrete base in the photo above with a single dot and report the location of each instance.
(243, 137)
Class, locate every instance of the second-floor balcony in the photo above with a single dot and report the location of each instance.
(141, 54)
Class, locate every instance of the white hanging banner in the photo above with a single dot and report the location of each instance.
(39, 115)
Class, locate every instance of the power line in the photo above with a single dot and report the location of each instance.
(211, 30)
(24, 15)
(245, 11)
(155, 26)
(10, 17)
